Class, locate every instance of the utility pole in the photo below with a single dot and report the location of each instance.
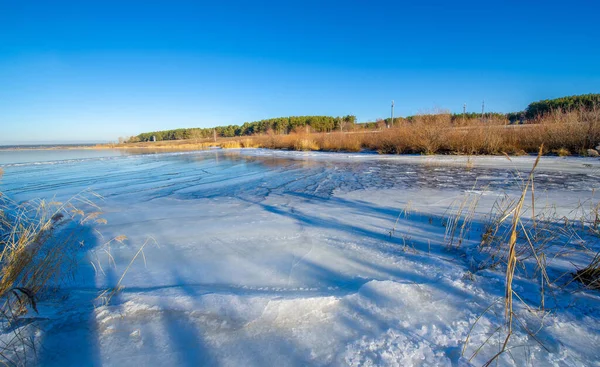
(464, 111)
(215, 135)
(482, 110)
(392, 113)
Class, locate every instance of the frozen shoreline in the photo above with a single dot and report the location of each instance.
(512, 162)
(286, 258)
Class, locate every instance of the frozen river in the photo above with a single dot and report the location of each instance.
(258, 173)
(285, 258)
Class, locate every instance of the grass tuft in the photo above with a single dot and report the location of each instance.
(38, 244)
(590, 275)
(233, 144)
(305, 144)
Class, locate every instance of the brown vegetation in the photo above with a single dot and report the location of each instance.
(525, 247)
(561, 133)
(38, 244)
(590, 275)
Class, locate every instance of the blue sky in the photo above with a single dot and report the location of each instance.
(97, 70)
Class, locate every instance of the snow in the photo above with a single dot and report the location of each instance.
(262, 258)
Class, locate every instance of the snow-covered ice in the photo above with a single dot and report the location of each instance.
(286, 258)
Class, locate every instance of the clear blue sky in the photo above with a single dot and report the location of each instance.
(97, 70)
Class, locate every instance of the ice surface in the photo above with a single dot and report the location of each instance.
(286, 258)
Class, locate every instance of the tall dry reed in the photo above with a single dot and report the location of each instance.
(561, 133)
(38, 245)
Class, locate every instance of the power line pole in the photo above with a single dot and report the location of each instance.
(392, 113)
(482, 110)
(464, 111)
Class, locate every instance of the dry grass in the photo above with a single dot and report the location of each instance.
(571, 132)
(512, 253)
(501, 213)
(521, 245)
(231, 144)
(562, 133)
(562, 152)
(249, 143)
(525, 242)
(38, 243)
(336, 142)
(590, 275)
(237, 143)
(460, 218)
(28, 230)
(330, 142)
(305, 144)
(160, 146)
(105, 296)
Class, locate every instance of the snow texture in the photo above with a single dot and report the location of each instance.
(291, 259)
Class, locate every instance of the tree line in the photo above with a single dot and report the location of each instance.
(580, 102)
(279, 125)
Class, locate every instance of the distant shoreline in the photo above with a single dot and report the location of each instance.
(48, 147)
(162, 145)
(486, 140)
